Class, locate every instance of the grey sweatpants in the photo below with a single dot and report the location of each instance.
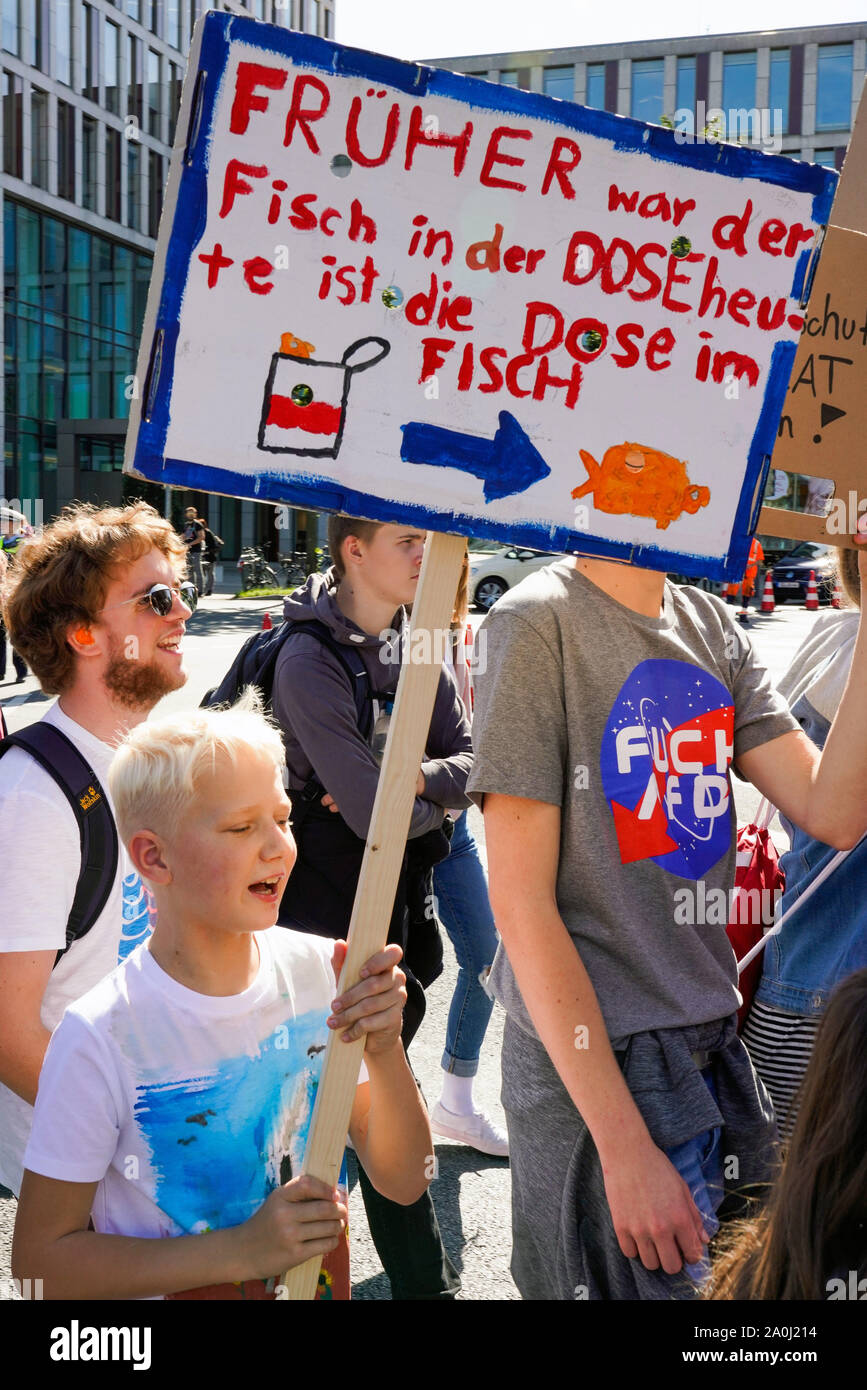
(564, 1244)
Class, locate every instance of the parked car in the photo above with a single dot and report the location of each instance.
(791, 576)
(494, 572)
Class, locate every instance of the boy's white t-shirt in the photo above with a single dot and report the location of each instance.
(40, 849)
(187, 1109)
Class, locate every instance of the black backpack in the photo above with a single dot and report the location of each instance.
(59, 757)
(256, 663)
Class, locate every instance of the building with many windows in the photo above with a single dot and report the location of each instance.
(90, 95)
(793, 90)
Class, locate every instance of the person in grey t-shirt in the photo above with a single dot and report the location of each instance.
(611, 708)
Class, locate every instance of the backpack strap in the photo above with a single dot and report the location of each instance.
(353, 664)
(59, 757)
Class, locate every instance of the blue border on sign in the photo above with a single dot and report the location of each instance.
(625, 134)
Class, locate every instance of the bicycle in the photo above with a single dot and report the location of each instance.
(256, 573)
(294, 569)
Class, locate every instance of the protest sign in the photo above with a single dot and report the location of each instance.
(821, 431)
(411, 295)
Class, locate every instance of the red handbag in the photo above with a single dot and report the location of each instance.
(759, 884)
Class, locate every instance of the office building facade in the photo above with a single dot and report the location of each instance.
(793, 90)
(90, 95)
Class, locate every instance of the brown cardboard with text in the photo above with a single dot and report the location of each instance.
(824, 420)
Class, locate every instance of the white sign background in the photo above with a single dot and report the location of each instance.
(228, 332)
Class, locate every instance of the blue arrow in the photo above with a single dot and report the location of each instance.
(507, 463)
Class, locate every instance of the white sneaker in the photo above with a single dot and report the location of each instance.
(476, 1131)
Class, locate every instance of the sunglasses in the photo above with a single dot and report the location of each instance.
(161, 598)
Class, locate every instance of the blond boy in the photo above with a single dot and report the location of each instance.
(176, 1095)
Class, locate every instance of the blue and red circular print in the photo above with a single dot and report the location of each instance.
(666, 749)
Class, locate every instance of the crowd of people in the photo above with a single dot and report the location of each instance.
(178, 891)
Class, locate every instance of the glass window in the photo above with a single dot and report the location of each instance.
(311, 16)
(123, 266)
(79, 277)
(101, 281)
(647, 80)
(88, 162)
(30, 368)
(175, 85)
(142, 278)
(155, 191)
(31, 15)
(509, 78)
(10, 30)
(825, 158)
(63, 41)
(78, 393)
(65, 150)
(173, 23)
(89, 82)
(779, 91)
(12, 124)
(133, 91)
(29, 256)
(686, 84)
(155, 95)
(39, 137)
(739, 84)
(133, 184)
(133, 9)
(329, 24)
(112, 173)
(595, 95)
(834, 86)
(110, 70)
(559, 82)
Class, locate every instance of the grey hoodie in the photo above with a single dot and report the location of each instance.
(314, 704)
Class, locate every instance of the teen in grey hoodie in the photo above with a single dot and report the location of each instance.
(316, 709)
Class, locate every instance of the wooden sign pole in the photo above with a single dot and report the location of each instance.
(383, 855)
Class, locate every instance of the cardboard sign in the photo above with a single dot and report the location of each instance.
(821, 431)
(410, 295)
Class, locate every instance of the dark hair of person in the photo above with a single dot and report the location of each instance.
(814, 1226)
(340, 528)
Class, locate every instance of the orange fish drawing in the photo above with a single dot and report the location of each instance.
(639, 481)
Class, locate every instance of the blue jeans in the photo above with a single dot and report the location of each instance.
(464, 909)
(699, 1162)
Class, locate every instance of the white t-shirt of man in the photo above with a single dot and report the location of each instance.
(40, 849)
(187, 1109)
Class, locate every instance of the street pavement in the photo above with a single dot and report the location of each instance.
(471, 1191)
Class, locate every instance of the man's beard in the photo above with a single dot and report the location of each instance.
(138, 684)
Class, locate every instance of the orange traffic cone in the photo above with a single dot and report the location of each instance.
(266, 623)
(837, 596)
(812, 601)
(768, 594)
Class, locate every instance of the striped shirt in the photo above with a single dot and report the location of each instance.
(780, 1046)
